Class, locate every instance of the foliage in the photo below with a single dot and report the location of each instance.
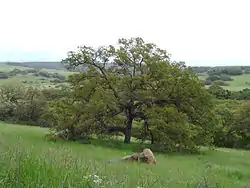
(21, 105)
(135, 81)
(233, 131)
(219, 79)
(216, 71)
(213, 77)
(208, 82)
(241, 120)
(233, 70)
(247, 70)
(26, 105)
(133, 90)
(225, 136)
(3, 75)
(241, 95)
(34, 72)
(225, 77)
(219, 92)
(174, 132)
(201, 69)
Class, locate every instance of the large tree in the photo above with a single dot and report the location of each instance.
(130, 82)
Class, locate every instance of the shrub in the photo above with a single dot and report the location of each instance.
(3, 75)
(208, 82)
(225, 77)
(234, 71)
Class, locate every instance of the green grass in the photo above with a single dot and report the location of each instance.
(238, 83)
(31, 80)
(28, 160)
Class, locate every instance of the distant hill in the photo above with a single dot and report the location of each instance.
(60, 66)
(45, 65)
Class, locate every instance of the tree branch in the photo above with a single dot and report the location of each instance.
(106, 78)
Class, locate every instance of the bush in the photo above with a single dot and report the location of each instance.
(247, 83)
(233, 130)
(213, 77)
(225, 77)
(241, 95)
(44, 74)
(210, 79)
(234, 71)
(208, 82)
(58, 76)
(215, 72)
(31, 70)
(219, 92)
(25, 105)
(4, 75)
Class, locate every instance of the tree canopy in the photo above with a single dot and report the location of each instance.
(134, 81)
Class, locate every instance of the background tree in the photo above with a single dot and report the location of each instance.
(241, 124)
(219, 92)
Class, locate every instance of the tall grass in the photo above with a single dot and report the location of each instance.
(28, 160)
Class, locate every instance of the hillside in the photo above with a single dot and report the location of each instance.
(232, 78)
(139, 100)
(62, 164)
(39, 74)
(238, 83)
(45, 65)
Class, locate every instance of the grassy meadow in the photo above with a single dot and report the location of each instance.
(238, 83)
(28, 160)
(37, 81)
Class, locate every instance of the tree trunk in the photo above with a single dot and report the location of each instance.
(148, 130)
(128, 131)
(152, 137)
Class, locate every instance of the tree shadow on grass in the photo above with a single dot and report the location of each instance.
(114, 143)
(138, 147)
(118, 144)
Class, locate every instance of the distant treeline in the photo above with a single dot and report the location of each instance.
(45, 65)
(231, 70)
(197, 69)
(33, 72)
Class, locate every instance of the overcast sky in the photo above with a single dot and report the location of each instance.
(200, 32)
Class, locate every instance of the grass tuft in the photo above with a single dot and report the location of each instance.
(28, 160)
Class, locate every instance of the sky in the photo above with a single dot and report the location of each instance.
(199, 32)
